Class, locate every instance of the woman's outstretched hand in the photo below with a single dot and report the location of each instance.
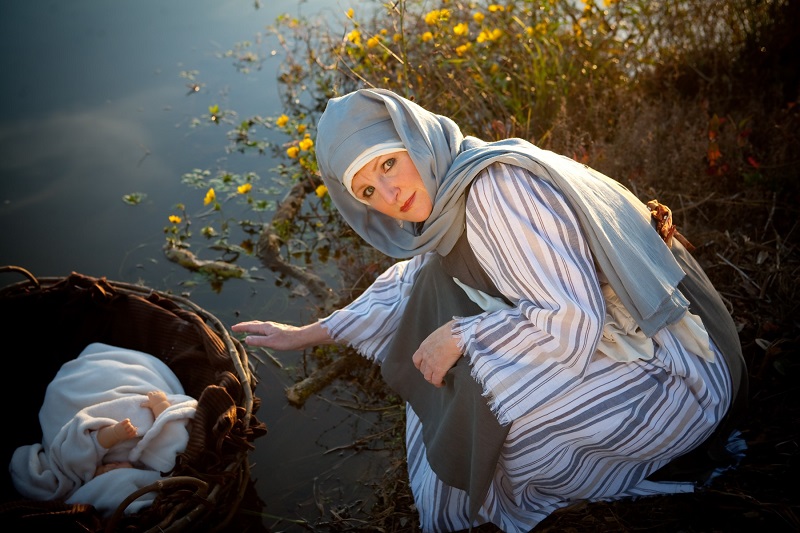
(437, 354)
(280, 336)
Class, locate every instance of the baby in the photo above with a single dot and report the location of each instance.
(123, 430)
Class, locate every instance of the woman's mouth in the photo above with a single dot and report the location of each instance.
(408, 204)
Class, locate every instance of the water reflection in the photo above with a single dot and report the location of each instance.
(98, 105)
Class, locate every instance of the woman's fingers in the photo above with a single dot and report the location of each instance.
(253, 326)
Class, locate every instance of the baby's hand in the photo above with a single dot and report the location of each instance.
(157, 402)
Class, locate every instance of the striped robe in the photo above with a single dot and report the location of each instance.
(584, 426)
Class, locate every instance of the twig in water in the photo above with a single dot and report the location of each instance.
(360, 442)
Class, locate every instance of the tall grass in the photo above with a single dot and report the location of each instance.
(670, 94)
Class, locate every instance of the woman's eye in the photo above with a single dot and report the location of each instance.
(389, 163)
(368, 191)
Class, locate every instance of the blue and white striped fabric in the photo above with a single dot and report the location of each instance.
(584, 426)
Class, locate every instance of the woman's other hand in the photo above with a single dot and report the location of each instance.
(437, 354)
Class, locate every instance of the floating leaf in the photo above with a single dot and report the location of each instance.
(134, 198)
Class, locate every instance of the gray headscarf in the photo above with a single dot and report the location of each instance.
(639, 266)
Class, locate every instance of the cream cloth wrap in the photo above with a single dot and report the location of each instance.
(622, 340)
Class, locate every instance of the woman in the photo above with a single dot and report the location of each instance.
(540, 332)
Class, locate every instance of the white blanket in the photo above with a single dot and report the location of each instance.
(102, 386)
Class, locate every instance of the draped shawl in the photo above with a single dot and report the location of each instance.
(639, 266)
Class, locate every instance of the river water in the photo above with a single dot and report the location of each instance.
(97, 105)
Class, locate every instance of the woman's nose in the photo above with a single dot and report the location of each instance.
(387, 191)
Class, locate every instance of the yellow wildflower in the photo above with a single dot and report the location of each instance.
(463, 49)
(461, 28)
(306, 144)
(489, 35)
(244, 188)
(397, 37)
(494, 8)
(372, 42)
(282, 121)
(384, 31)
(436, 16)
(175, 219)
(354, 37)
(350, 13)
(427, 36)
(292, 151)
(321, 191)
(210, 196)
(478, 17)
(301, 128)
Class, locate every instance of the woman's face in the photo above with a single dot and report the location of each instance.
(392, 185)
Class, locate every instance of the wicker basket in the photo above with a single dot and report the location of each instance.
(48, 321)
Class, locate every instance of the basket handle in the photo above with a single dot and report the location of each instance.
(200, 487)
(27, 274)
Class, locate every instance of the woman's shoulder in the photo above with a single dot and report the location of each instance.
(502, 171)
(501, 179)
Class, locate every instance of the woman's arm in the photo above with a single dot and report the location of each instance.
(367, 323)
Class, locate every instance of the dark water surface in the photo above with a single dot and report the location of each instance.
(94, 107)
